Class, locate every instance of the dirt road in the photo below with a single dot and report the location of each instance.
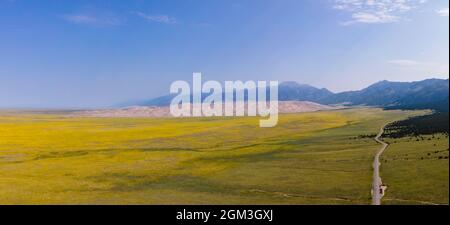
(377, 188)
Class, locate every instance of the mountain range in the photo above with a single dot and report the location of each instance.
(425, 94)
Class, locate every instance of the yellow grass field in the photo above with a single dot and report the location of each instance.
(309, 158)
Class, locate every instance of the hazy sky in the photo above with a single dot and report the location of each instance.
(99, 53)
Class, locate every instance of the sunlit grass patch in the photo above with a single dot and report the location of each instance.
(309, 158)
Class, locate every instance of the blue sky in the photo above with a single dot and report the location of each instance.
(99, 53)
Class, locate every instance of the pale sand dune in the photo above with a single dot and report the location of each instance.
(154, 111)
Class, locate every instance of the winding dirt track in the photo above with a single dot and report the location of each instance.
(377, 189)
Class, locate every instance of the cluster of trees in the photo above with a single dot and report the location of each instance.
(417, 126)
(364, 136)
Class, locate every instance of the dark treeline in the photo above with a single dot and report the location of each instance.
(364, 136)
(421, 125)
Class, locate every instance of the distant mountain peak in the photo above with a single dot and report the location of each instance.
(425, 94)
(294, 84)
(290, 84)
(382, 83)
(292, 90)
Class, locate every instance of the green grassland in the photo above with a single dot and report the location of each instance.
(309, 158)
(416, 170)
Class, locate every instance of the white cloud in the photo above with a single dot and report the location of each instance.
(93, 19)
(157, 18)
(377, 17)
(407, 63)
(376, 11)
(443, 12)
(430, 68)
